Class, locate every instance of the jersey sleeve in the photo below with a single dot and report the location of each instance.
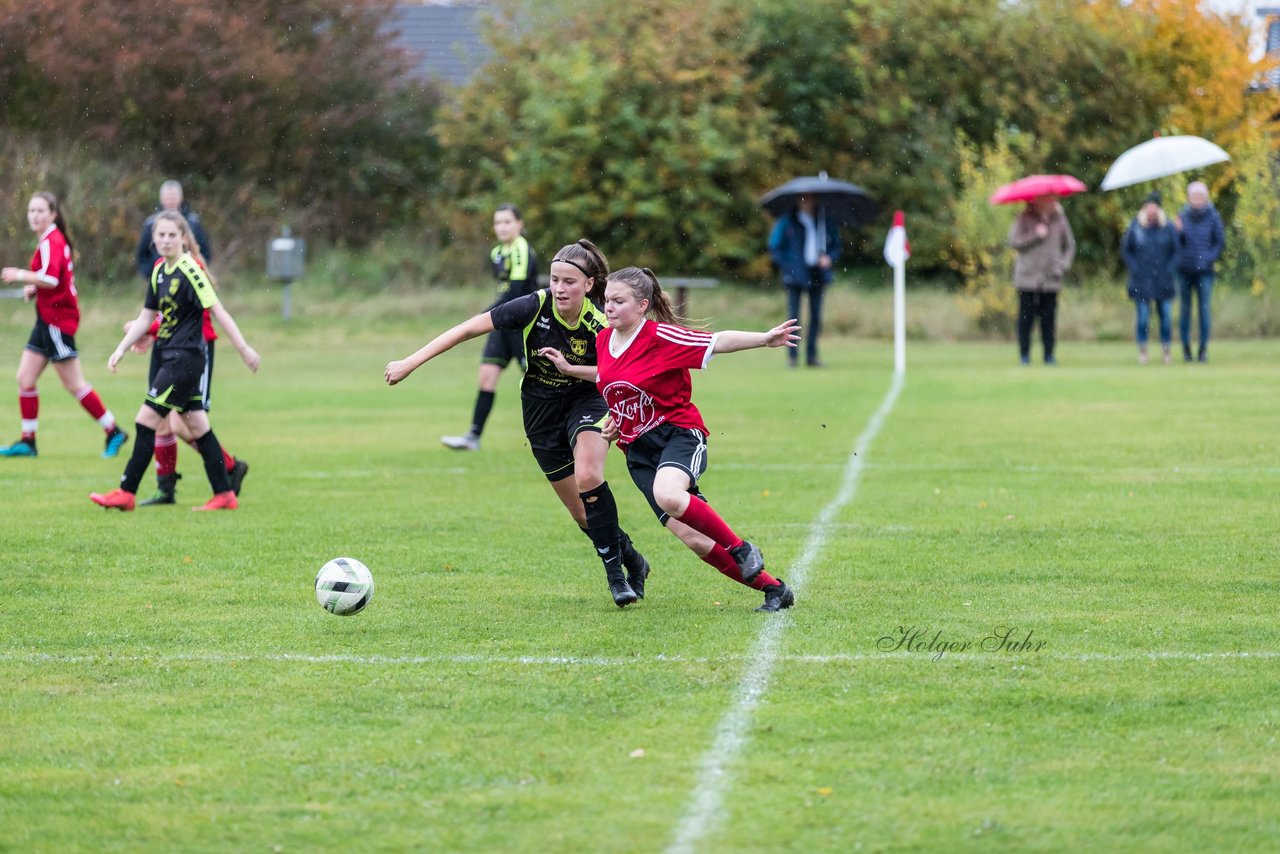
(152, 298)
(48, 264)
(517, 313)
(199, 280)
(679, 347)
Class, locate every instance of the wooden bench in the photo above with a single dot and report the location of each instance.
(682, 284)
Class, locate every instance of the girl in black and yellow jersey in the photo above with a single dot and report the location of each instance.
(563, 416)
(515, 266)
(180, 292)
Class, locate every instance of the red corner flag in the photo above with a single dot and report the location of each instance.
(897, 249)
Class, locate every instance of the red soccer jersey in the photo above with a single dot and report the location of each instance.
(648, 382)
(56, 306)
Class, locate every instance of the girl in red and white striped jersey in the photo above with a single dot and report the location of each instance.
(51, 282)
(643, 372)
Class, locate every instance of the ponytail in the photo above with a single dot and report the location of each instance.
(590, 261)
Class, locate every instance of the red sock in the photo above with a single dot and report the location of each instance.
(29, 406)
(720, 558)
(166, 454)
(226, 455)
(93, 405)
(699, 516)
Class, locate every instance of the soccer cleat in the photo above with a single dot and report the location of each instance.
(623, 595)
(20, 448)
(236, 475)
(469, 442)
(777, 596)
(637, 566)
(221, 501)
(166, 490)
(115, 440)
(748, 559)
(116, 498)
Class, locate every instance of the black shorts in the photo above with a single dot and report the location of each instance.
(667, 445)
(208, 371)
(553, 424)
(180, 382)
(52, 343)
(503, 345)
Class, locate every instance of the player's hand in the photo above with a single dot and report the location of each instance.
(609, 430)
(251, 358)
(397, 371)
(556, 358)
(11, 274)
(783, 335)
(29, 292)
(114, 359)
(143, 344)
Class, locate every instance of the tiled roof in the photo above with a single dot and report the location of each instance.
(443, 40)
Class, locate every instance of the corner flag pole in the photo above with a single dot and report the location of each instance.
(896, 252)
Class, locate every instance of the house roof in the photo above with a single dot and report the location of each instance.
(443, 39)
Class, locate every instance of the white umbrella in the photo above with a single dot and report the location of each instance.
(1164, 155)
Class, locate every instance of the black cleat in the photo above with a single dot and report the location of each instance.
(637, 566)
(749, 560)
(236, 475)
(777, 597)
(623, 595)
(166, 490)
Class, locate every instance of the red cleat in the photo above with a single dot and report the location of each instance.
(221, 501)
(117, 498)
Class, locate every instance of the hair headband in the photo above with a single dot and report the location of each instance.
(573, 264)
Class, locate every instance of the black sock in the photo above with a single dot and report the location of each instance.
(602, 527)
(144, 445)
(215, 465)
(484, 405)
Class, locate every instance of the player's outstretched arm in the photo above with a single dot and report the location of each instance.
(783, 335)
(581, 372)
(228, 324)
(481, 324)
(133, 332)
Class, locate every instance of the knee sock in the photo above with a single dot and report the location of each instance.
(215, 466)
(602, 527)
(166, 454)
(699, 516)
(29, 406)
(484, 405)
(226, 455)
(93, 405)
(144, 444)
(720, 558)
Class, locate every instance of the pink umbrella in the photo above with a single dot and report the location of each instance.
(1035, 186)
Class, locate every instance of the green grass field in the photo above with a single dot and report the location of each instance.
(170, 684)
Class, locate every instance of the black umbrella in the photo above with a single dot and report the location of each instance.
(847, 204)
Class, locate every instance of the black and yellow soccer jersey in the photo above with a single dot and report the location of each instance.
(180, 293)
(515, 266)
(536, 317)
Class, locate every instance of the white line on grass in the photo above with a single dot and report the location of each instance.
(167, 658)
(731, 734)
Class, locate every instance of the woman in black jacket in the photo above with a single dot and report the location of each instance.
(1150, 250)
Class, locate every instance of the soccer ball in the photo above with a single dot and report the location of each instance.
(344, 586)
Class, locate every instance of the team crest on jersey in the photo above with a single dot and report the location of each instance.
(632, 407)
(579, 347)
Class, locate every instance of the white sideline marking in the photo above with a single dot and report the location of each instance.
(629, 661)
(731, 733)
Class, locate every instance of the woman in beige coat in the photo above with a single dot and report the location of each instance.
(1046, 247)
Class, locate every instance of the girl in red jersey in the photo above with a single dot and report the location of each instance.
(643, 373)
(563, 415)
(51, 282)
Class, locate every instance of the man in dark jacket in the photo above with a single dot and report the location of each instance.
(170, 200)
(804, 245)
(1200, 243)
(1150, 248)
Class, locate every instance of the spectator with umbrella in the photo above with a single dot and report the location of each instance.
(1200, 242)
(1045, 246)
(1150, 250)
(805, 243)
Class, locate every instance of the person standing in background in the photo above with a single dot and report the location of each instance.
(804, 244)
(1201, 239)
(171, 199)
(1150, 248)
(1042, 238)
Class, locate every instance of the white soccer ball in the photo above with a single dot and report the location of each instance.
(344, 586)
